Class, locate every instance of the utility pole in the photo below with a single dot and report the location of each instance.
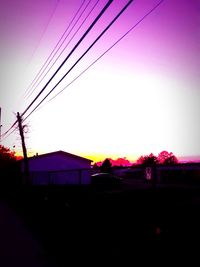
(0, 125)
(26, 165)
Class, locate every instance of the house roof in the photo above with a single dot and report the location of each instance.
(62, 153)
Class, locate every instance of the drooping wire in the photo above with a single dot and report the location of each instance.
(105, 52)
(27, 91)
(122, 37)
(100, 35)
(38, 80)
(8, 133)
(74, 48)
(109, 2)
(44, 31)
(63, 48)
(11, 127)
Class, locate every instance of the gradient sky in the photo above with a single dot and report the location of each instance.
(141, 97)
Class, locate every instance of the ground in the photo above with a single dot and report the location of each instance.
(127, 225)
(17, 245)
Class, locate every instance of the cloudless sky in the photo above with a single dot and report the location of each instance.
(141, 97)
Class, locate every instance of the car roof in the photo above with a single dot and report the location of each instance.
(101, 174)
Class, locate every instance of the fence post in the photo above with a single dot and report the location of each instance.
(80, 176)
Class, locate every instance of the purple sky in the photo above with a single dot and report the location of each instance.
(148, 84)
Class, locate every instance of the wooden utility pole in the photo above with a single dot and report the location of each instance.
(0, 126)
(21, 131)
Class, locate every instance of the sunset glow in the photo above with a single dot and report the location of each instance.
(141, 97)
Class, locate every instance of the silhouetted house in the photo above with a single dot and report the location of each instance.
(181, 173)
(188, 173)
(59, 167)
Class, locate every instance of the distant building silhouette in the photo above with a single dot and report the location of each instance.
(59, 167)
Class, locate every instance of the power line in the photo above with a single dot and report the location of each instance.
(7, 134)
(122, 37)
(100, 35)
(63, 48)
(74, 48)
(38, 81)
(11, 127)
(44, 31)
(105, 52)
(77, 44)
(33, 82)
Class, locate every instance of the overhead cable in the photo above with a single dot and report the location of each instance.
(100, 35)
(28, 90)
(11, 127)
(44, 31)
(74, 48)
(77, 44)
(63, 48)
(105, 52)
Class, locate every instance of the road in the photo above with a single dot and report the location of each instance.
(17, 246)
(117, 227)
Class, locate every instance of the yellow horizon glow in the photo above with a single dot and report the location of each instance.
(95, 157)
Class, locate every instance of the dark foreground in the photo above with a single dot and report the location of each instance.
(127, 227)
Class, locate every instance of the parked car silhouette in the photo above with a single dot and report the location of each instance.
(105, 179)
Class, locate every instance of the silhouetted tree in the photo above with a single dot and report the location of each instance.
(148, 160)
(6, 157)
(106, 166)
(9, 168)
(95, 167)
(121, 162)
(167, 158)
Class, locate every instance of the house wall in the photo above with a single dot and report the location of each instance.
(68, 177)
(59, 169)
(180, 173)
(57, 163)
